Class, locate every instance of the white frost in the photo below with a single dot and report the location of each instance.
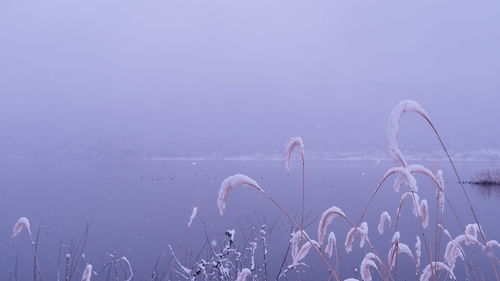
(228, 184)
(242, 276)
(21, 223)
(293, 143)
(415, 199)
(332, 241)
(424, 212)
(364, 269)
(193, 215)
(326, 219)
(363, 232)
(383, 218)
(87, 273)
(427, 272)
(418, 251)
(393, 126)
(304, 250)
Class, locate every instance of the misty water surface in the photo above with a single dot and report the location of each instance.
(137, 207)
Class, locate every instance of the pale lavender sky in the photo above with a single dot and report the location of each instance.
(237, 77)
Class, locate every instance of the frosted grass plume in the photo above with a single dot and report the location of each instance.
(326, 219)
(396, 249)
(332, 241)
(404, 177)
(127, 262)
(393, 127)
(424, 212)
(364, 268)
(363, 233)
(418, 251)
(193, 215)
(454, 250)
(415, 199)
(293, 144)
(427, 272)
(304, 250)
(22, 223)
(242, 276)
(394, 150)
(87, 273)
(228, 184)
(295, 241)
(383, 218)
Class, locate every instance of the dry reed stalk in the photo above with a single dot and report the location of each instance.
(293, 144)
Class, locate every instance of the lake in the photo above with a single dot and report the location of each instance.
(136, 208)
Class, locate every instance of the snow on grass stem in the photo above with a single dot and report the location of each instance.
(393, 126)
(332, 241)
(228, 184)
(454, 250)
(427, 272)
(193, 215)
(295, 241)
(186, 270)
(392, 133)
(424, 212)
(397, 248)
(326, 219)
(304, 250)
(415, 200)
(87, 273)
(242, 276)
(363, 232)
(22, 223)
(364, 268)
(405, 175)
(293, 144)
(131, 273)
(387, 174)
(418, 251)
(383, 218)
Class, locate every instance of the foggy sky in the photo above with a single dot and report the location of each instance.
(238, 77)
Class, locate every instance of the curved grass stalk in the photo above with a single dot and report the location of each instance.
(393, 130)
(293, 144)
(427, 272)
(326, 219)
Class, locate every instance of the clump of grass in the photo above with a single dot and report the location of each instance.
(489, 177)
(405, 176)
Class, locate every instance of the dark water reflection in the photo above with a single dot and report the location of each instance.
(136, 208)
